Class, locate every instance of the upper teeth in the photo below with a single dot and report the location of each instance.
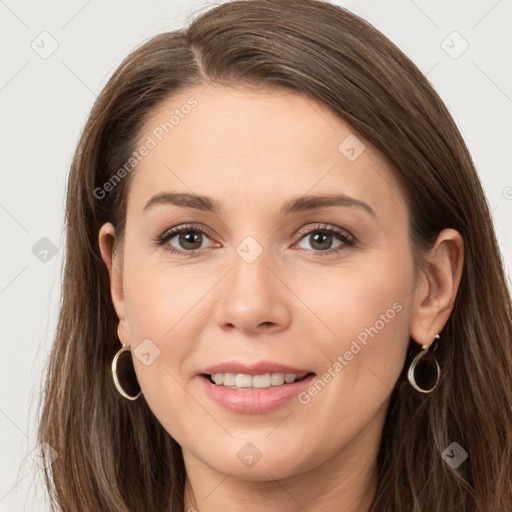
(241, 380)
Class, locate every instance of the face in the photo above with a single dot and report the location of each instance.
(254, 283)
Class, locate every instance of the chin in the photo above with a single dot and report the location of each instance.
(260, 460)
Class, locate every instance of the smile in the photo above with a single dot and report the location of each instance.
(254, 394)
(245, 381)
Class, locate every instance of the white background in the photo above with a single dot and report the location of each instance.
(43, 106)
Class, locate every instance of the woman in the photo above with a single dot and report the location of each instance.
(282, 288)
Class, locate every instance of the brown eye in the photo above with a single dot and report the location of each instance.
(190, 239)
(321, 239)
(186, 240)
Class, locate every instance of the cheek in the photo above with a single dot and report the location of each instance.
(163, 308)
(367, 312)
(161, 299)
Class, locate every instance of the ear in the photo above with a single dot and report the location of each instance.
(437, 287)
(113, 261)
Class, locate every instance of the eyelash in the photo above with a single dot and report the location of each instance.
(343, 236)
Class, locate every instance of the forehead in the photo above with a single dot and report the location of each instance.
(232, 142)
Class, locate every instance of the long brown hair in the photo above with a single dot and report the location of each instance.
(113, 454)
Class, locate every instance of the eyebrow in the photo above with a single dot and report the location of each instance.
(294, 205)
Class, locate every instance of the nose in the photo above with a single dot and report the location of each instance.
(253, 298)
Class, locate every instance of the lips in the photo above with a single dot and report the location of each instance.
(255, 401)
(253, 388)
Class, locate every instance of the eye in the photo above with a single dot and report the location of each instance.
(321, 238)
(189, 239)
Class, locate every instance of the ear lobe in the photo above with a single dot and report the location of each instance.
(113, 263)
(435, 295)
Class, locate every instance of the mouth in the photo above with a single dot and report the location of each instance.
(258, 393)
(254, 387)
(244, 381)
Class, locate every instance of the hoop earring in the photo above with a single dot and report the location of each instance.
(127, 375)
(426, 359)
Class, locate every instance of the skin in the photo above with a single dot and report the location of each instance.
(298, 303)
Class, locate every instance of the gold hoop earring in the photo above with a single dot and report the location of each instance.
(424, 362)
(127, 375)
